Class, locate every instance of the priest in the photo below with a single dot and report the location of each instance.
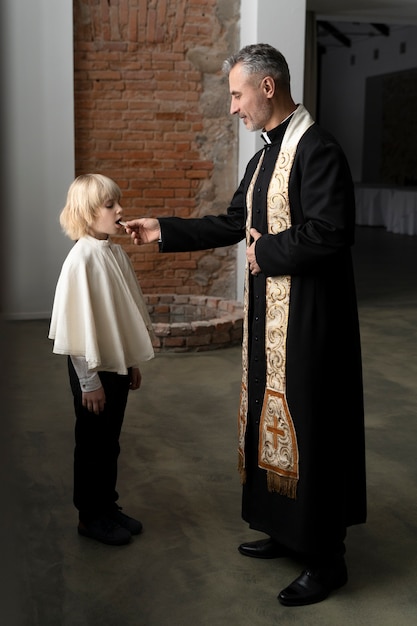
(301, 419)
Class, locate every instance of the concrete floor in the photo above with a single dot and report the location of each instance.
(178, 475)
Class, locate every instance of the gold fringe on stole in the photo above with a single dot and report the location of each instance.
(243, 411)
(241, 469)
(282, 484)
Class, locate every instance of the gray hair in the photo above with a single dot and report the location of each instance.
(260, 58)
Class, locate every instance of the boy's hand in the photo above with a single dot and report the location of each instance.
(94, 401)
(135, 378)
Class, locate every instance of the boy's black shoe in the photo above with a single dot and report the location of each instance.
(106, 530)
(134, 526)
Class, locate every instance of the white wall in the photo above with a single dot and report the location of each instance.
(282, 24)
(40, 132)
(343, 85)
(39, 138)
(39, 126)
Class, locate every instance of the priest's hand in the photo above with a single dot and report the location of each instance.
(94, 401)
(250, 253)
(143, 230)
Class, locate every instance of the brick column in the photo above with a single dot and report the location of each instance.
(152, 112)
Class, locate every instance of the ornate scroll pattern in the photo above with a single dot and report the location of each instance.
(278, 444)
(278, 287)
(278, 449)
(243, 407)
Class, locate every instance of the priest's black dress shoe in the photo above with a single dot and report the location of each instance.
(263, 549)
(314, 585)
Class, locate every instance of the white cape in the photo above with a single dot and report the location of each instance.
(99, 312)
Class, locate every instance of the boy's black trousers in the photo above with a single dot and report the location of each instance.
(97, 446)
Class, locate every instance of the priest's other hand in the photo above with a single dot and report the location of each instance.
(143, 230)
(250, 253)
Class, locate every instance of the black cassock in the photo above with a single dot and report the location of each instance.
(323, 367)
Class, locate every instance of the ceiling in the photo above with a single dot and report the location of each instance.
(379, 11)
(333, 34)
(346, 22)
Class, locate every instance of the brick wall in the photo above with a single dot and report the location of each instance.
(152, 112)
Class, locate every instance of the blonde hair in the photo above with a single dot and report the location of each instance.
(86, 195)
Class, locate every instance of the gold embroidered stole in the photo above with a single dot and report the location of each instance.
(278, 449)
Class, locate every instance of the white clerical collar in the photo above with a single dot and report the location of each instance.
(265, 137)
(264, 133)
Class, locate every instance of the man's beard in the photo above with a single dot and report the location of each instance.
(263, 114)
